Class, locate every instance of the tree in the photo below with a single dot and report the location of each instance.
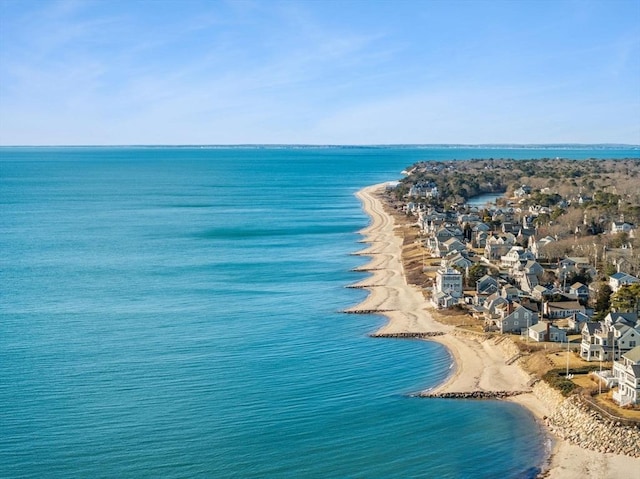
(603, 298)
(627, 299)
(476, 272)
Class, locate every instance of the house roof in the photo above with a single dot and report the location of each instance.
(580, 317)
(579, 259)
(538, 328)
(486, 277)
(591, 327)
(633, 355)
(624, 276)
(565, 305)
(622, 318)
(452, 241)
(577, 285)
(531, 306)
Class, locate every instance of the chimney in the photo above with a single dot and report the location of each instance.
(548, 338)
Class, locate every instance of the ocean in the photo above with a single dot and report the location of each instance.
(175, 313)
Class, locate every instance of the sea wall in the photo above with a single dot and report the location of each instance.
(572, 420)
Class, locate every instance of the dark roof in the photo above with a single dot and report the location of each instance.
(592, 327)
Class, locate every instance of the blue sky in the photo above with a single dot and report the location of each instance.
(319, 72)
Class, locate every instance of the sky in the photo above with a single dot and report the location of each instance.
(357, 72)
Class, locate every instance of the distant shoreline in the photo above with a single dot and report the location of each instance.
(497, 146)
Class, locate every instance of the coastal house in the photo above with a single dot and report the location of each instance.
(537, 245)
(481, 227)
(533, 267)
(510, 293)
(512, 257)
(540, 292)
(528, 282)
(578, 265)
(459, 260)
(492, 306)
(444, 234)
(516, 318)
(617, 280)
(579, 290)
(426, 189)
(589, 349)
(497, 246)
(479, 239)
(576, 320)
(516, 256)
(545, 331)
(562, 309)
(604, 342)
(627, 372)
(487, 285)
(447, 289)
(453, 245)
(614, 317)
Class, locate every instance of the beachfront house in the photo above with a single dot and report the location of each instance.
(516, 318)
(627, 372)
(589, 349)
(545, 331)
(605, 342)
(447, 289)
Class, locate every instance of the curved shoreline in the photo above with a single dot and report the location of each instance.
(479, 366)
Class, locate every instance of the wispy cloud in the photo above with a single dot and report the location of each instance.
(226, 72)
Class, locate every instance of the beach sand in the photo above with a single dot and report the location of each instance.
(479, 365)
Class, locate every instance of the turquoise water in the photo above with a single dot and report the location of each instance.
(174, 312)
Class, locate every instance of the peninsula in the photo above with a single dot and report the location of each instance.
(489, 363)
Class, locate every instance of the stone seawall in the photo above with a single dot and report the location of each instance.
(471, 395)
(572, 420)
(426, 335)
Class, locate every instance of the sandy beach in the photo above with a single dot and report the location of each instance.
(479, 365)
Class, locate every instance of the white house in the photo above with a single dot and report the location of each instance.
(617, 280)
(545, 331)
(627, 372)
(621, 227)
(447, 288)
(579, 290)
(603, 342)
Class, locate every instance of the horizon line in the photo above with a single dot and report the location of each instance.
(329, 145)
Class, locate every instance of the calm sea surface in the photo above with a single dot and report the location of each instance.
(174, 313)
